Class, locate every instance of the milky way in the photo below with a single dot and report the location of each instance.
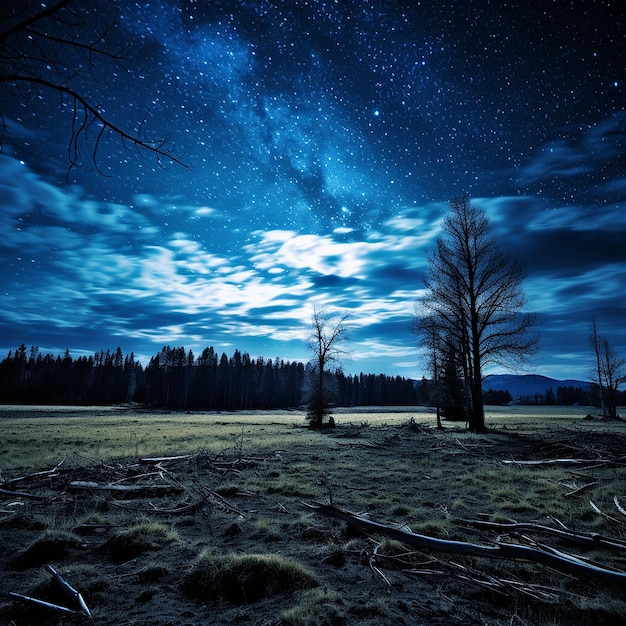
(324, 141)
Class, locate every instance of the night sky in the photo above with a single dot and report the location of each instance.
(325, 140)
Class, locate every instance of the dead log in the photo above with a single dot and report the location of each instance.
(128, 490)
(549, 557)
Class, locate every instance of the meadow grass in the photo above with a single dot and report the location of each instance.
(36, 437)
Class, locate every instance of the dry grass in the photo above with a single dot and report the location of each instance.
(245, 578)
(319, 607)
(146, 536)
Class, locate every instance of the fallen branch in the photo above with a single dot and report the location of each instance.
(42, 603)
(376, 570)
(594, 462)
(164, 459)
(139, 489)
(619, 507)
(69, 591)
(555, 559)
(591, 539)
(579, 489)
(44, 473)
(9, 493)
(603, 514)
(188, 508)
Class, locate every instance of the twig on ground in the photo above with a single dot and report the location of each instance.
(603, 514)
(619, 506)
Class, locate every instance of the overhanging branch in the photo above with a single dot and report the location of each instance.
(155, 146)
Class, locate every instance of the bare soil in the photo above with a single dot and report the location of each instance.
(226, 537)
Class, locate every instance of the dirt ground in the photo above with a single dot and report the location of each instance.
(227, 538)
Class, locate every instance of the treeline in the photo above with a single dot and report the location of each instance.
(175, 378)
(565, 395)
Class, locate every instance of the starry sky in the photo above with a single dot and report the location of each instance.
(324, 140)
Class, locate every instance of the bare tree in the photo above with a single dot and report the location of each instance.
(474, 300)
(327, 332)
(430, 336)
(447, 392)
(609, 374)
(61, 48)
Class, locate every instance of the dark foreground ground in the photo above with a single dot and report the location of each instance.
(226, 537)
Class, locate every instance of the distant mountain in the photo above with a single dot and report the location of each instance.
(529, 384)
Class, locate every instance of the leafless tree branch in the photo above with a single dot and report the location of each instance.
(50, 48)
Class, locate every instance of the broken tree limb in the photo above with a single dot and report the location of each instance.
(594, 462)
(69, 591)
(603, 514)
(153, 460)
(19, 494)
(619, 507)
(139, 489)
(44, 473)
(588, 539)
(42, 603)
(579, 489)
(555, 559)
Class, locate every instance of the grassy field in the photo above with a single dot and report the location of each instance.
(221, 534)
(34, 437)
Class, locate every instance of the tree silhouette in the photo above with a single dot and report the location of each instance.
(62, 48)
(473, 301)
(609, 374)
(327, 332)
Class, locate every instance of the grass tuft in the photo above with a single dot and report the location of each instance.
(140, 538)
(245, 578)
(318, 607)
(53, 545)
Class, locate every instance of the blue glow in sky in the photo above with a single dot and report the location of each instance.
(325, 140)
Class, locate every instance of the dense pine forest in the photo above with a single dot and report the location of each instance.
(176, 378)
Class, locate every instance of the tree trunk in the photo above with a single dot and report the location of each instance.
(477, 420)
